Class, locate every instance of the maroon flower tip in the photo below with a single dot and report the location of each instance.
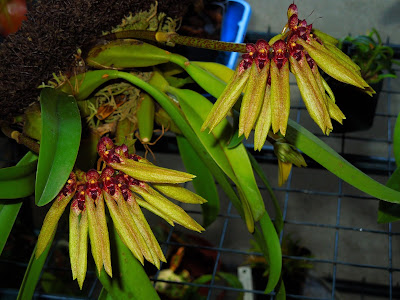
(280, 53)
(133, 181)
(92, 184)
(295, 50)
(310, 61)
(109, 183)
(122, 150)
(292, 10)
(123, 184)
(78, 206)
(79, 196)
(262, 58)
(302, 23)
(107, 172)
(135, 157)
(251, 49)
(104, 144)
(92, 174)
(293, 22)
(69, 187)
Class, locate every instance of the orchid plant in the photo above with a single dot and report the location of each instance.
(105, 180)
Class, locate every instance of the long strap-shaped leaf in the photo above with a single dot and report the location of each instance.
(18, 181)
(179, 120)
(32, 273)
(268, 241)
(278, 213)
(390, 212)
(332, 161)
(235, 161)
(61, 133)
(204, 183)
(9, 210)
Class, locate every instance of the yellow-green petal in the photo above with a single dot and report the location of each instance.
(103, 230)
(310, 92)
(135, 231)
(121, 228)
(50, 223)
(81, 267)
(176, 213)
(94, 234)
(263, 123)
(333, 65)
(179, 193)
(150, 173)
(280, 97)
(252, 99)
(227, 99)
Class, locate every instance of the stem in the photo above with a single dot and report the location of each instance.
(20, 138)
(174, 38)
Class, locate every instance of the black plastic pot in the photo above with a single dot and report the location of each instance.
(358, 107)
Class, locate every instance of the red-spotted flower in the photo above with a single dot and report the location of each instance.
(126, 184)
(263, 76)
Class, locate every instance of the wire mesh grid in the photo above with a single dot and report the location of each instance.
(341, 251)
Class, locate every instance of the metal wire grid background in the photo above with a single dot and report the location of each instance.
(351, 256)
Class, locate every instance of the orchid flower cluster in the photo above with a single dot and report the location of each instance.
(126, 184)
(263, 76)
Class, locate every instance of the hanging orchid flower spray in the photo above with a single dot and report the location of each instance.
(263, 77)
(127, 183)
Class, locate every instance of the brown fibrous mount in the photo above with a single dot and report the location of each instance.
(48, 40)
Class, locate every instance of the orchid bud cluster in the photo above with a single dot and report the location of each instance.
(263, 76)
(126, 184)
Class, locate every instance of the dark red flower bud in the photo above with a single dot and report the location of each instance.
(92, 184)
(109, 183)
(292, 10)
(295, 50)
(69, 187)
(122, 150)
(280, 53)
(104, 145)
(80, 196)
(293, 22)
(263, 50)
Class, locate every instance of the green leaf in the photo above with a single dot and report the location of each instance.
(18, 181)
(281, 293)
(204, 183)
(208, 81)
(9, 210)
(234, 162)
(104, 295)
(235, 140)
(129, 281)
(229, 278)
(32, 273)
(396, 141)
(390, 212)
(268, 240)
(336, 164)
(61, 133)
(278, 213)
